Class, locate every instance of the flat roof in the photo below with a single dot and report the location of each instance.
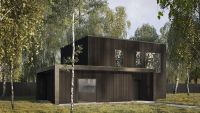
(123, 39)
(114, 38)
(96, 68)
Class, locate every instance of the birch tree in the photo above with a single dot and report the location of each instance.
(185, 31)
(71, 10)
(4, 66)
(17, 32)
(73, 76)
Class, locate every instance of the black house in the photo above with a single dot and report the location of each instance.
(108, 70)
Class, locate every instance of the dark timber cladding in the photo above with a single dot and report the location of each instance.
(130, 81)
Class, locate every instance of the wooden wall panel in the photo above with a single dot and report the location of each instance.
(113, 86)
(66, 52)
(118, 87)
(104, 56)
(45, 86)
(64, 86)
(101, 50)
(99, 87)
(50, 85)
(110, 86)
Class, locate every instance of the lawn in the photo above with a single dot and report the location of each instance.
(29, 105)
(183, 98)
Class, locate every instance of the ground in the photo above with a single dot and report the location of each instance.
(183, 98)
(29, 105)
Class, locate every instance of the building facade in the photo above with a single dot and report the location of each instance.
(108, 70)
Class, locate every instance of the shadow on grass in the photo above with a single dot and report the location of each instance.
(31, 99)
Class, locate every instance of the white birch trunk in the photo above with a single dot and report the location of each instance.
(73, 54)
(199, 12)
(177, 82)
(12, 88)
(4, 84)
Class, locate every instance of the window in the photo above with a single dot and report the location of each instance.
(118, 58)
(138, 59)
(153, 61)
(87, 85)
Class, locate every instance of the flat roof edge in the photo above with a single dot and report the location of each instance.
(97, 68)
(104, 68)
(45, 69)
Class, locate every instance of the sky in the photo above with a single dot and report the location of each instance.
(140, 12)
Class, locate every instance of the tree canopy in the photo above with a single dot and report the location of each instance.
(185, 29)
(184, 35)
(146, 33)
(32, 32)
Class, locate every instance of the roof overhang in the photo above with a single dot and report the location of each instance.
(97, 68)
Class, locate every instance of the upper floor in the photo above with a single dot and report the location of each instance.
(102, 51)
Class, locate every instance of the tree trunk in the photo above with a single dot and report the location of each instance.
(12, 88)
(188, 81)
(196, 80)
(196, 77)
(177, 82)
(73, 54)
(4, 84)
(199, 13)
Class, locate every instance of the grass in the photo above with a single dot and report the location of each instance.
(131, 108)
(29, 105)
(183, 98)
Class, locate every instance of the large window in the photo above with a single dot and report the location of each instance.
(87, 85)
(153, 61)
(118, 58)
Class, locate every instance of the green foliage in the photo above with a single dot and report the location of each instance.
(183, 40)
(102, 21)
(160, 14)
(184, 32)
(195, 73)
(179, 7)
(32, 32)
(19, 25)
(91, 18)
(164, 31)
(78, 51)
(146, 33)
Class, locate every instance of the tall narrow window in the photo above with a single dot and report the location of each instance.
(138, 59)
(118, 58)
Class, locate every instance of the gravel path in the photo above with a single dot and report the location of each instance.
(141, 102)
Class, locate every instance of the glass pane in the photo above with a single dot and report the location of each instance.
(138, 59)
(118, 58)
(153, 61)
(87, 85)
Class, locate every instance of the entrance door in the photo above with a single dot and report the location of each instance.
(87, 90)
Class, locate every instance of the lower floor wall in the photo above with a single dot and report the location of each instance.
(45, 86)
(29, 89)
(109, 86)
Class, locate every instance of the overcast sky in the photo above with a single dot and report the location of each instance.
(140, 12)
